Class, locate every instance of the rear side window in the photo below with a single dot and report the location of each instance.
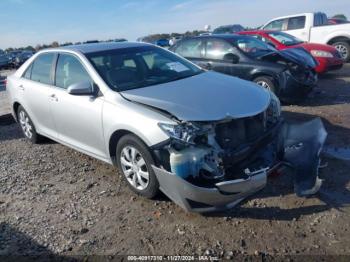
(70, 71)
(275, 25)
(217, 49)
(41, 68)
(296, 23)
(190, 48)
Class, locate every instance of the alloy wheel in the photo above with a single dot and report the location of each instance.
(134, 167)
(26, 124)
(264, 84)
(342, 50)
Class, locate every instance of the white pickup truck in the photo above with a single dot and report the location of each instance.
(314, 27)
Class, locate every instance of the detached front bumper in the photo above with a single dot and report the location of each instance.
(223, 195)
(302, 147)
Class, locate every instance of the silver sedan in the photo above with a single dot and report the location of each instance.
(205, 139)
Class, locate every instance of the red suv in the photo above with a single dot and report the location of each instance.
(328, 57)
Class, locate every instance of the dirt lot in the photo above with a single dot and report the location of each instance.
(56, 201)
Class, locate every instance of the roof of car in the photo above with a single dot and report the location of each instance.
(96, 47)
(255, 32)
(229, 25)
(223, 36)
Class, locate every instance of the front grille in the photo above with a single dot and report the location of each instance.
(231, 135)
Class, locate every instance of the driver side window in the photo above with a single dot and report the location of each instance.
(217, 49)
(69, 71)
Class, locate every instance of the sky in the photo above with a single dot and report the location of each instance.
(32, 22)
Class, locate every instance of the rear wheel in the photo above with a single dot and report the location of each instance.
(344, 50)
(135, 162)
(265, 82)
(27, 126)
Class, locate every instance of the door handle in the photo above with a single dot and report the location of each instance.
(21, 87)
(53, 97)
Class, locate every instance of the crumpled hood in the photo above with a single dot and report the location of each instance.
(208, 96)
(297, 55)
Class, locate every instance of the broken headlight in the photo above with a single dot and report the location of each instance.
(274, 110)
(185, 132)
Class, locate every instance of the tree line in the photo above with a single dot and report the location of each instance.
(149, 38)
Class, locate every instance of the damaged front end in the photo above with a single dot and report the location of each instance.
(299, 77)
(212, 166)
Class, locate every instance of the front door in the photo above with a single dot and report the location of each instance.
(78, 119)
(217, 55)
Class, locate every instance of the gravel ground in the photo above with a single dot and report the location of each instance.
(54, 200)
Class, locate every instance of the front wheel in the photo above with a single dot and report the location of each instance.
(344, 50)
(265, 82)
(135, 162)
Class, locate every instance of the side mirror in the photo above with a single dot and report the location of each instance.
(231, 58)
(83, 88)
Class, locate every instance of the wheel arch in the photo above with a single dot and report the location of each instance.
(113, 141)
(15, 107)
(266, 74)
(338, 39)
(260, 74)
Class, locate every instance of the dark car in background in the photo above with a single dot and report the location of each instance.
(22, 57)
(12, 55)
(228, 29)
(120, 40)
(4, 60)
(162, 42)
(289, 73)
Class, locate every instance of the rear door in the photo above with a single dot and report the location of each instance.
(34, 89)
(78, 119)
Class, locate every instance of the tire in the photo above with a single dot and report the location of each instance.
(344, 50)
(136, 174)
(266, 82)
(27, 126)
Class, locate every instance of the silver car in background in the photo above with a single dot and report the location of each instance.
(205, 139)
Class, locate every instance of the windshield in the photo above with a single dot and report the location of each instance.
(285, 39)
(253, 47)
(137, 67)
